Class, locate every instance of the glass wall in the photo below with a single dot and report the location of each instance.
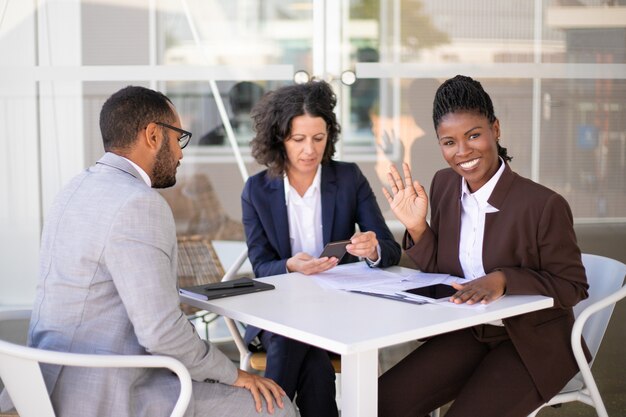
(556, 74)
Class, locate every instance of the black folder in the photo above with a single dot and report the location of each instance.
(225, 289)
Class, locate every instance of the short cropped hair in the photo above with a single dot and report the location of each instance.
(273, 114)
(130, 110)
(464, 94)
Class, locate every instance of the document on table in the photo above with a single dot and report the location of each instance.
(352, 276)
(358, 275)
(359, 278)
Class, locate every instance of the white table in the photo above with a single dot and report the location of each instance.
(355, 325)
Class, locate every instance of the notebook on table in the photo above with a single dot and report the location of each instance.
(225, 289)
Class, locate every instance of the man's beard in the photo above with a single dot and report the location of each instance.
(164, 172)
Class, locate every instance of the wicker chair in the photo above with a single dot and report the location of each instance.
(198, 264)
(198, 210)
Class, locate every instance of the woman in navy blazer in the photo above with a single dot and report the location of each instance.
(504, 234)
(303, 201)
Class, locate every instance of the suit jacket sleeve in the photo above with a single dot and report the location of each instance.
(141, 257)
(263, 255)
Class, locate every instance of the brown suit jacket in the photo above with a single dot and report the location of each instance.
(531, 239)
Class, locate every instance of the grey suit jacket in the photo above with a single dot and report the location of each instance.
(108, 285)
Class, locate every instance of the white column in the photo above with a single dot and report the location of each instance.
(61, 102)
(19, 162)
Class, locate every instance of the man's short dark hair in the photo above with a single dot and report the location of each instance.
(130, 110)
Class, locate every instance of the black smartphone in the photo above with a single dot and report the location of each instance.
(336, 249)
(435, 291)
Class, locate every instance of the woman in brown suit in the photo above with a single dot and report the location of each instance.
(505, 235)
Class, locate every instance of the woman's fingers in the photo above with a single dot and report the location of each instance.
(408, 180)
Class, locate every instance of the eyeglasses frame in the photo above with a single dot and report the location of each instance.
(185, 136)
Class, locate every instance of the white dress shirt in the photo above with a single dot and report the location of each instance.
(474, 207)
(305, 217)
(141, 172)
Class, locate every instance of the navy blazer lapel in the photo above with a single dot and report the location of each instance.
(329, 192)
(278, 206)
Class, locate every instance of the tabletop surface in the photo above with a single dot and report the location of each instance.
(345, 322)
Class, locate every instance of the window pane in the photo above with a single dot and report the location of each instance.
(583, 146)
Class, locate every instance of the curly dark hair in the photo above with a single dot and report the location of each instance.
(273, 114)
(464, 94)
(128, 111)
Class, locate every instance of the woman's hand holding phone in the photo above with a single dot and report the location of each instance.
(364, 245)
(308, 265)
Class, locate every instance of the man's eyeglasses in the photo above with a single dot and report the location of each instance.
(184, 138)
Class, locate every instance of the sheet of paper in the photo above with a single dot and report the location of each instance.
(352, 276)
(358, 275)
(359, 278)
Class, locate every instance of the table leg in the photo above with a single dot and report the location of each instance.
(359, 384)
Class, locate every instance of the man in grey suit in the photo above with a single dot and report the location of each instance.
(108, 281)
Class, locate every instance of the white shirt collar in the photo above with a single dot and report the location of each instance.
(483, 194)
(141, 172)
(315, 185)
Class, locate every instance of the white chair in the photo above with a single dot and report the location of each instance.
(605, 277)
(22, 378)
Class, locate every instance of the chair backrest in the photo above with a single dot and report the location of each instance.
(198, 209)
(23, 380)
(198, 264)
(605, 277)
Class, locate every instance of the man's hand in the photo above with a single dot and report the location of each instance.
(257, 385)
(481, 290)
(308, 265)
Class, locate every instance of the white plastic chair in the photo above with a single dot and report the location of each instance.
(605, 277)
(22, 378)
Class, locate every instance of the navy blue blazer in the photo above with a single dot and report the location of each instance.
(347, 200)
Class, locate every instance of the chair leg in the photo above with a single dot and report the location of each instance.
(592, 388)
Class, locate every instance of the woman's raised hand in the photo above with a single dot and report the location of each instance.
(408, 200)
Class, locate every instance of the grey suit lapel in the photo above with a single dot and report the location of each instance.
(115, 161)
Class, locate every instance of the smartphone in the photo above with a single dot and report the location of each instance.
(435, 291)
(336, 249)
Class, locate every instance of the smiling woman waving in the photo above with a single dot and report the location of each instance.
(504, 234)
